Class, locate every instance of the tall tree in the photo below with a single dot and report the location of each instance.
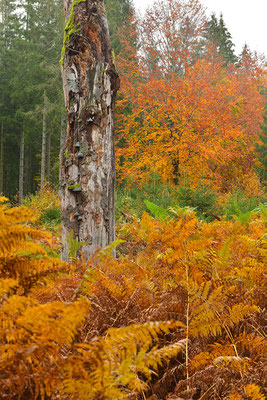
(219, 35)
(118, 13)
(21, 168)
(44, 142)
(171, 35)
(202, 122)
(10, 30)
(88, 167)
(31, 39)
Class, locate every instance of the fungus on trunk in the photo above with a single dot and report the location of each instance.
(90, 84)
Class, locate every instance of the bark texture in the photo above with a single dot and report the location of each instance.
(90, 84)
(62, 142)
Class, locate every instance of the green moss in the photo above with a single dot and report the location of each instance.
(72, 187)
(70, 29)
(113, 56)
(66, 154)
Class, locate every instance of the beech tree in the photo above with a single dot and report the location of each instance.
(90, 84)
(195, 123)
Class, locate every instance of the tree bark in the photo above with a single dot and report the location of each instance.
(48, 157)
(21, 168)
(28, 178)
(90, 84)
(62, 142)
(43, 154)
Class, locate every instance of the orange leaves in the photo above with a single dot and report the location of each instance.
(31, 339)
(23, 259)
(178, 311)
(186, 113)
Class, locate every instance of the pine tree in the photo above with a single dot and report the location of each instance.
(10, 30)
(118, 13)
(218, 34)
(32, 35)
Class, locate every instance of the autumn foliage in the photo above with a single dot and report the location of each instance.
(174, 309)
(184, 114)
(178, 313)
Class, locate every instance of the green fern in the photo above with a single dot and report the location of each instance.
(158, 212)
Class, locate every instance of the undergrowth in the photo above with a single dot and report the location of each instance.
(179, 314)
(45, 204)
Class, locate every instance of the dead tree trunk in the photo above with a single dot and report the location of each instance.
(88, 163)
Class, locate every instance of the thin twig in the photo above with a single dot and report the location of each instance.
(207, 391)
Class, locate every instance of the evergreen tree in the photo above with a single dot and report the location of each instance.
(31, 31)
(10, 31)
(118, 13)
(218, 34)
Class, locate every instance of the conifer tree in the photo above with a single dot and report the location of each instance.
(10, 30)
(31, 32)
(118, 13)
(218, 34)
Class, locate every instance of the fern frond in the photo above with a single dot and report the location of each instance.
(204, 306)
(254, 392)
(7, 286)
(234, 396)
(156, 357)
(126, 352)
(21, 258)
(158, 212)
(238, 313)
(234, 362)
(31, 342)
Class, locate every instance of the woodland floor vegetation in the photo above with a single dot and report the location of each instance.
(178, 314)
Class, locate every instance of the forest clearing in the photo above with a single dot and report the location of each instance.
(153, 288)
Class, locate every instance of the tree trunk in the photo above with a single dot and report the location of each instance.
(2, 160)
(88, 166)
(28, 172)
(48, 157)
(176, 171)
(62, 142)
(43, 155)
(21, 167)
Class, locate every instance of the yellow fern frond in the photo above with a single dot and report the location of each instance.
(117, 360)
(234, 362)
(31, 341)
(254, 392)
(234, 396)
(7, 286)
